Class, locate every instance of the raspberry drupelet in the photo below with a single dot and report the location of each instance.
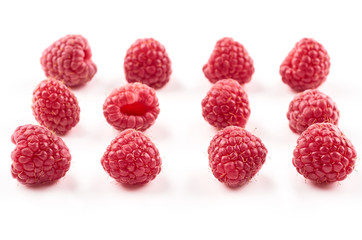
(324, 154)
(69, 60)
(226, 104)
(147, 62)
(134, 105)
(236, 155)
(39, 156)
(306, 66)
(229, 60)
(309, 107)
(132, 158)
(55, 106)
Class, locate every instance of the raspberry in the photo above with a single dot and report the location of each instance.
(235, 155)
(147, 62)
(39, 156)
(69, 60)
(132, 158)
(323, 154)
(226, 104)
(309, 107)
(306, 66)
(134, 105)
(55, 106)
(229, 60)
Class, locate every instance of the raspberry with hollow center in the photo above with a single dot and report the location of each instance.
(39, 156)
(306, 66)
(147, 62)
(134, 105)
(69, 60)
(229, 60)
(309, 107)
(324, 154)
(235, 155)
(55, 106)
(226, 104)
(132, 158)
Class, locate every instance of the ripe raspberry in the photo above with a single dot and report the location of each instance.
(132, 158)
(226, 104)
(324, 154)
(69, 60)
(55, 106)
(147, 62)
(306, 66)
(235, 155)
(39, 156)
(134, 105)
(309, 107)
(229, 60)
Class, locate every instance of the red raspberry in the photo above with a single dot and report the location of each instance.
(69, 60)
(147, 62)
(55, 106)
(235, 155)
(324, 154)
(39, 156)
(134, 105)
(229, 60)
(306, 66)
(309, 107)
(132, 158)
(226, 104)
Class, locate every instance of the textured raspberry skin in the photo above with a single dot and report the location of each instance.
(132, 158)
(69, 60)
(226, 104)
(323, 154)
(235, 155)
(147, 62)
(309, 107)
(55, 106)
(306, 66)
(229, 60)
(39, 156)
(134, 105)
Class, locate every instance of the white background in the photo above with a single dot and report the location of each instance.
(185, 201)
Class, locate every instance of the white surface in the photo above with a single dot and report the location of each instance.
(185, 201)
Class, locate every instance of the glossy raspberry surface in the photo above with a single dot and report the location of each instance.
(69, 60)
(39, 155)
(134, 105)
(147, 62)
(309, 107)
(226, 104)
(55, 106)
(132, 158)
(324, 154)
(235, 155)
(306, 66)
(229, 59)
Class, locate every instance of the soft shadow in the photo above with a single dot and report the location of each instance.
(324, 186)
